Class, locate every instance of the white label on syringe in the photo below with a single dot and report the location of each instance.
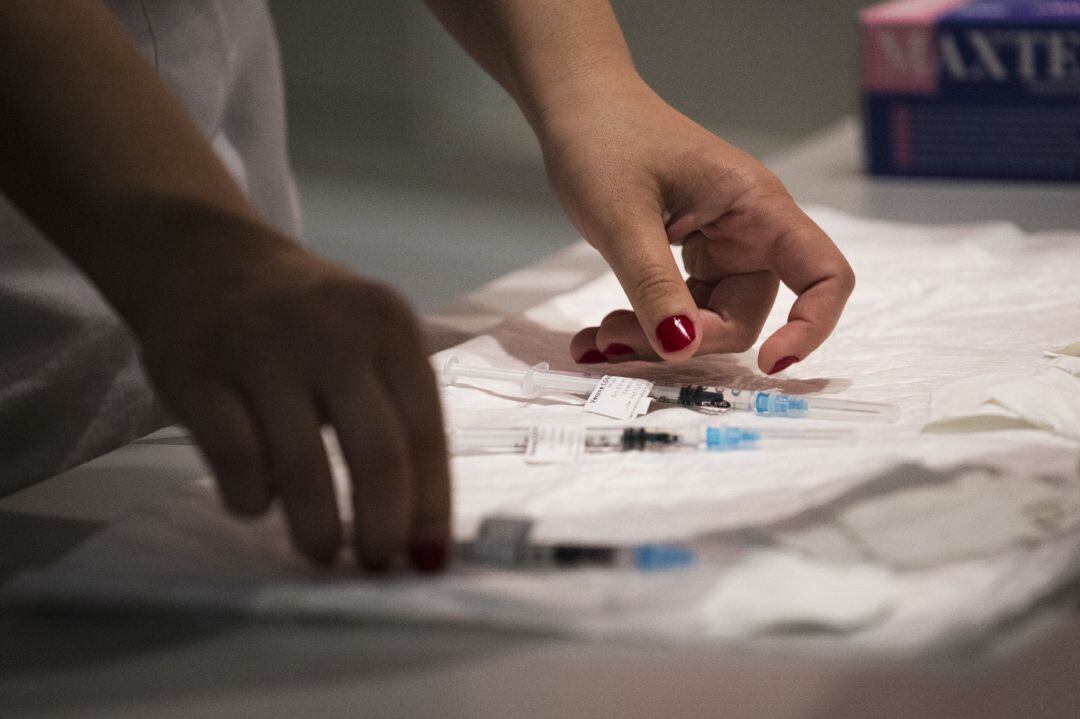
(555, 444)
(620, 397)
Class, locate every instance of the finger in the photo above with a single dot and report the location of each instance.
(583, 347)
(624, 340)
(680, 228)
(810, 321)
(734, 311)
(616, 313)
(410, 386)
(700, 291)
(712, 258)
(808, 262)
(738, 306)
(290, 428)
(375, 447)
(639, 254)
(223, 429)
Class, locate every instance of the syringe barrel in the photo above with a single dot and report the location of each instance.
(539, 378)
(775, 404)
(453, 370)
(475, 440)
(534, 380)
(717, 400)
(710, 438)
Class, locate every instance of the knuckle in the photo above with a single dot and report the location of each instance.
(653, 287)
(334, 299)
(846, 279)
(761, 193)
(753, 179)
(399, 314)
(388, 315)
(769, 185)
(388, 300)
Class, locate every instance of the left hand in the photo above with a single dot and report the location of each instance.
(634, 175)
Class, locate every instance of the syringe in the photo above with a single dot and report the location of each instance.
(702, 398)
(505, 543)
(508, 440)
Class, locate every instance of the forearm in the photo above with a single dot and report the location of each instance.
(97, 151)
(548, 55)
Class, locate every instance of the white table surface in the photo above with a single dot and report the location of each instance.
(165, 665)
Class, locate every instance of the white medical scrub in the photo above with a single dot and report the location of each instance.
(71, 383)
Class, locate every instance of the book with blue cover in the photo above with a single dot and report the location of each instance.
(972, 88)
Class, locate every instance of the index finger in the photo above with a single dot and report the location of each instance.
(813, 267)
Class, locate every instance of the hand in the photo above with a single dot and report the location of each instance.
(254, 343)
(258, 349)
(634, 175)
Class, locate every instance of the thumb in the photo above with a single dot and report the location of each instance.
(641, 258)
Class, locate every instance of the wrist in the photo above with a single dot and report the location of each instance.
(589, 84)
(177, 258)
(586, 109)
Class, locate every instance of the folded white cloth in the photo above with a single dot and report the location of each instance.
(1045, 397)
(884, 543)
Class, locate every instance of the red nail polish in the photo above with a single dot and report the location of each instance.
(592, 357)
(618, 349)
(783, 364)
(428, 557)
(676, 333)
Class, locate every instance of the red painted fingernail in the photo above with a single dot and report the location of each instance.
(783, 364)
(676, 333)
(592, 357)
(617, 349)
(428, 557)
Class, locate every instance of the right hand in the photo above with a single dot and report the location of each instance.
(636, 176)
(259, 348)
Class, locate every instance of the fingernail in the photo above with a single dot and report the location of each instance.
(617, 349)
(428, 557)
(592, 357)
(783, 364)
(676, 333)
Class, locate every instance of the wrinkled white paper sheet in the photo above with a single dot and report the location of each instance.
(899, 541)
